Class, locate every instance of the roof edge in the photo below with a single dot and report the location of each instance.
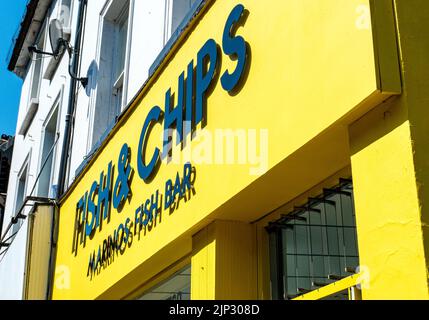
(25, 26)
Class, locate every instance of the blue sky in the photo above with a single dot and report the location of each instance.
(10, 85)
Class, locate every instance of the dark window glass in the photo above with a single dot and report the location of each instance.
(315, 245)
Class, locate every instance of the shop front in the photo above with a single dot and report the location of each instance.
(261, 160)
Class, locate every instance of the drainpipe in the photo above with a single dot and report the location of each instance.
(72, 100)
(66, 142)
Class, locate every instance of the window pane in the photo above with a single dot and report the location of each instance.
(301, 239)
(118, 99)
(332, 241)
(291, 286)
(20, 197)
(335, 266)
(111, 70)
(65, 13)
(50, 130)
(177, 287)
(121, 46)
(349, 219)
(350, 242)
(315, 242)
(37, 69)
(36, 76)
(304, 283)
(289, 239)
(180, 10)
(290, 265)
(319, 267)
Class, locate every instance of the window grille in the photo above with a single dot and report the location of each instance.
(314, 245)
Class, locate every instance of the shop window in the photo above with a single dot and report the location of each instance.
(314, 245)
(176, 11)
(177, 287)
(111, 88)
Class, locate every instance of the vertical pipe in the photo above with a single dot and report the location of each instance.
(66, 143)
(71, 101)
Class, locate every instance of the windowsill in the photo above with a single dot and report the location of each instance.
(31, 113)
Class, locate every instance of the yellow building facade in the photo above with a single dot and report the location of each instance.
(262, 120)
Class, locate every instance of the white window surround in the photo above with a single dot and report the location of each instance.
(21, 190)
(65, 13)
(36, 75)
(55, 111)
(36, 78)
(118, 67)
(37, 66)
(112, 15)
(175, 12)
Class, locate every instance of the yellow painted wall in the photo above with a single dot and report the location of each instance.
(203, 263)
(390, 161)
(412, 24)
(388, 221)
(223, 262)
(38, 254)
(308, 80)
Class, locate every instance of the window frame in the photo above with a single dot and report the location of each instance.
(122, 80)
(25, 168)
(56, 107)
(41, 40)
(67, 27)
(177, 294)
(277, 243)
(168, 19)
(117, 79)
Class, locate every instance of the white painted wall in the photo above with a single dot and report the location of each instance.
(12, 267)
(148, 34)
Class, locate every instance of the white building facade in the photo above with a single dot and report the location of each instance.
(122, 40)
